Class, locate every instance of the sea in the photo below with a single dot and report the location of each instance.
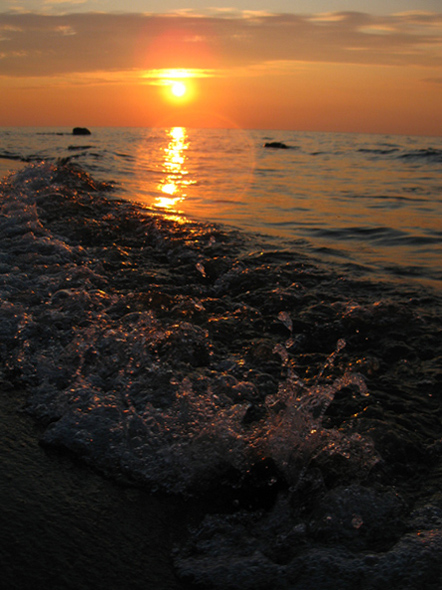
(248, 321)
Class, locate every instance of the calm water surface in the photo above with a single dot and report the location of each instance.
(370, 200)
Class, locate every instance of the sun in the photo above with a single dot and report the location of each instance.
(178, 89)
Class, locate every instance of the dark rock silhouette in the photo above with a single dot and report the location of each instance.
(80, 131)
(276, 145)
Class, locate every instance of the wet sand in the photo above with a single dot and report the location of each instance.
(65, 527)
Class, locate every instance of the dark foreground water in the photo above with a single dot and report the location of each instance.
(289, 409)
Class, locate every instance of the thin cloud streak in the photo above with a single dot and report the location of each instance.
(43, 46)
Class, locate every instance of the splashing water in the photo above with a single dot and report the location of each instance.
(189, 359)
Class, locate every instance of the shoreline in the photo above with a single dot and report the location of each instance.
(65, 527)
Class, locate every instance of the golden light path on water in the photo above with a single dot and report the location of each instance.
(175, 182)
(192, 173)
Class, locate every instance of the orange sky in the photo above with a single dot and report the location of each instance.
(331, 72)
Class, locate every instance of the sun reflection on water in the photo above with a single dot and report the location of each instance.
(173, 185)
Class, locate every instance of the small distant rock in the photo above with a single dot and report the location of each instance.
(278, 145)
(80, 131)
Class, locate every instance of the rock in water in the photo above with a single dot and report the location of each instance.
(80, 131)
(276, 145)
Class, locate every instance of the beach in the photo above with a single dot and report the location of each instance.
(188, 404)
(64, 526)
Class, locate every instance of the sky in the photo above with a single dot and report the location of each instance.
(317, 65)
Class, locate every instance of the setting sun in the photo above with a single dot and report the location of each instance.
(178, 89)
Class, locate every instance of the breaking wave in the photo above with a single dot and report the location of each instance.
(191, 359)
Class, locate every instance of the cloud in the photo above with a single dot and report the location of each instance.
(163, 77)
(42, 45)
(64, 3)
(44, 6)
(326, 17)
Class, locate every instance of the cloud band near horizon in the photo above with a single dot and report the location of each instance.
(34, 45)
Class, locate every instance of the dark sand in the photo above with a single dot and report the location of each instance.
(64, 527)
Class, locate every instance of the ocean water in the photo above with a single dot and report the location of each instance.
(370, 200)
(255, 330)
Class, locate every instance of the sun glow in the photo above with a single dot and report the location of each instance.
(178, 85)
(178, 89)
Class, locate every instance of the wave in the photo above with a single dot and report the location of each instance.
(190, 359)
(93, 368)
(7, 155)
(378, 151)
(429, 154)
